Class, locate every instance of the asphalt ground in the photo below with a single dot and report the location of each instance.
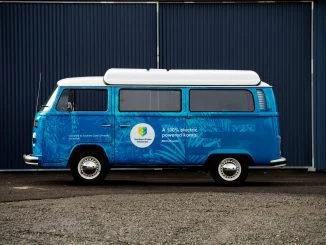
(169, 207)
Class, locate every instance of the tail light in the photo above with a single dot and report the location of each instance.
(35, 123)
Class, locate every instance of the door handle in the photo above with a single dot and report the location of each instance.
(106, 125)
(124, 125)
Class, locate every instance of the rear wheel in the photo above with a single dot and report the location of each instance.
(88, 167)
(229, 170)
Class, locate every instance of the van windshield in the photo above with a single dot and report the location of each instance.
(50, 102)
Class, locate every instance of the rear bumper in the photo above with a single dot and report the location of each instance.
(31, 160)
(277, 163)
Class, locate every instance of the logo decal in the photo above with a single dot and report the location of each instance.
(142, 135)
(142, 131)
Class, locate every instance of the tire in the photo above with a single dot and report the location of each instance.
(229, 171)
(88, 167)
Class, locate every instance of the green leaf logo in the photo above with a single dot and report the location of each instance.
(142, 131)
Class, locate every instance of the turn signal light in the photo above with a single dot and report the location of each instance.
(34, 139)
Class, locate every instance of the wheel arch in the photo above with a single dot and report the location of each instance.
(82, 148)
(216, 157)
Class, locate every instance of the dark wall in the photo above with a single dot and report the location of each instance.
(66, 40)
(271, 39)
(62, 40)
(320, 85)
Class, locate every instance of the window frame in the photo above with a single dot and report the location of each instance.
(226, 111)
(151, 89)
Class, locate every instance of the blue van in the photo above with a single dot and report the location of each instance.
(221, 121)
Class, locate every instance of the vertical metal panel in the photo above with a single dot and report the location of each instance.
(62, 40)
(272, 39)
(320, 85)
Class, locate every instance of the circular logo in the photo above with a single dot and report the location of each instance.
(142, 135)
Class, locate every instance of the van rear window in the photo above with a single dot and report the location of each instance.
(150, 100)
(221, 100)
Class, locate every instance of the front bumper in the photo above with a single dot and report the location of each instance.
(31, 160)
(277, 163)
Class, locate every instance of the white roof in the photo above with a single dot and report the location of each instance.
(116, 76)
(82, 81)
(172, 77)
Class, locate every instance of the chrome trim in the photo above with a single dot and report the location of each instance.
(278, 163)
(125, 125)
(31, 160)
(229, 169)
(280, 160)
(89, 168)
(106, 125)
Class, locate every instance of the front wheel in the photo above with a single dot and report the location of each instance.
(88, 168)
(229, 171)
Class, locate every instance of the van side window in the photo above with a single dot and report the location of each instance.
(150, 100)
(83, 100)
(66, 96)
(221, 100)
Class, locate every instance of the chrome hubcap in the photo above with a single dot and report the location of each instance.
(229, 169)
(89, 167)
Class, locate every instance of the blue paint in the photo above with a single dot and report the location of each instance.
(182, 138)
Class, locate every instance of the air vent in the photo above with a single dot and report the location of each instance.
(261, 100)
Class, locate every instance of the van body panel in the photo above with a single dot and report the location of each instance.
(225, 135)
(63, 131)
(182, 138)
(163, 149)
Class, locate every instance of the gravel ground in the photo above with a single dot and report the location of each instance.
(167, 218)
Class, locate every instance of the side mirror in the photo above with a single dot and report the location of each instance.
(70, 107)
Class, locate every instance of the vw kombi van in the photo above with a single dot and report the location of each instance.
(221, 121)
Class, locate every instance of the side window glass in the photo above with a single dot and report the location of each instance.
(83, 100)
(221, 100)
(150, 100)
(66, 101)
(91, 100)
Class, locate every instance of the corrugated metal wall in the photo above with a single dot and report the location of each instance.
(320, 85)
(272, 39)
(62, 40)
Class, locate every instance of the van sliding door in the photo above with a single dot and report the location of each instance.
(148, 126)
